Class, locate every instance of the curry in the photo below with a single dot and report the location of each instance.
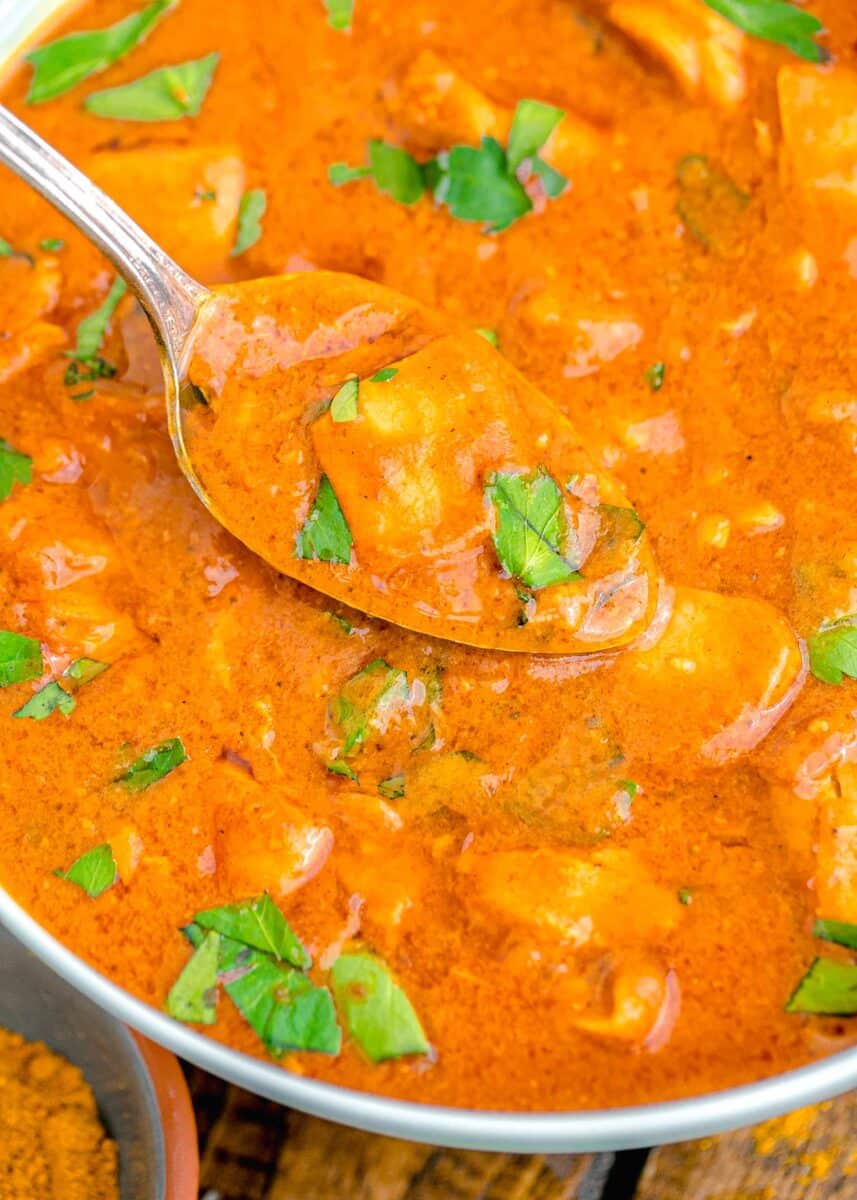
(523, 880)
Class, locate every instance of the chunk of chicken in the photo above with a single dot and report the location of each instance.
(607, 899)
(435, 107)
(729, 667)
(702, 50)
(29, 293)
(186, 198)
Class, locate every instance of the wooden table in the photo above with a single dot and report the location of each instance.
(253, 1149)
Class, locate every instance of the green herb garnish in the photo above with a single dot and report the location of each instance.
(51, 245)
(260, 924)
(167, 94)
(250, 214)
(154, 765)
(376, 1011)
(775, 21)
(285, 1008)
(393, 170)
(369, 700)
(338, 767)
(87, 365)
(490, 336)
(841, 932)
(477, 185)
(49, 699)
(685, 896)
(384, 375)
(532, 125)
(343, 406)
(340, 13)
(325, 534)
(829, 988)
(833, 651)
(193, 996)
(83, 671)
(619, 523)
(655, 376)
(94, 871)
(20, 658)
(393, 788)
(60, 65)
(15, 467)
(532, 530)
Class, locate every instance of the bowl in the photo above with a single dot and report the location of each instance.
(554, 1132)
(141, 1093)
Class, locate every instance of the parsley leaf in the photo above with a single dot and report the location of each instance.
(490, 336)
(154, 765)
(325, 534)
(829, 988)
(51, 245)
(393, 788)
(368, 700)
(250, 213)
(94, 871)
(90, 334)
(258, 923)
(384, 375)
(532, 125)
(775, 21)
(531, 528)
(84, 670)
(49, 699)
(841, 932)
(61, 65)
(655, 376)
(15, 467)
(833, 651)
(394, 171)
(340, 173)
(285, 1008)
(338, 767)
(343, 406)
(376, 1011)
(167, 94)
(340, 13)
(20, 658)
(193, 996)
(476, 185)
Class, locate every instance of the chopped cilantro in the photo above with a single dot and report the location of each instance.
(829, 988)
(532, 531)
(84, 670)
(833, 651)
(94, 871)
(51, 245)
(655, 376)
(685, 896)
(384, 375)
(87, 365)
(490, 336)
(62, 64)
(393, 788)
(20, 658)
(49, 699)
(775, 21)
(532, 125)
(340, 13)
(476, 185)
(167, 94)
(15, 467)
(258, 923)
(325, 534)
(841, 932)
(250, 214)
(193, 996)
(368, 700)
(376, 1011)
(154, 765)
(343, 406)
(338, 767)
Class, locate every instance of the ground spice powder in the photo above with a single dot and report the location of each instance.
(52, 1143)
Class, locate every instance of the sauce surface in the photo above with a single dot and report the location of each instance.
(593, 876)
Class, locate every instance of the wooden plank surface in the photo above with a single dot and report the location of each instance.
(252, 1149)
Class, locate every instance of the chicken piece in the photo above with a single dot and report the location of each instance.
(436, 107)
(702, 50)
(638, 1003)
(186, 198)
(605, 900)
(728, 667)
(263, 842)
(818, 112)
(391, 885)
(29, 292)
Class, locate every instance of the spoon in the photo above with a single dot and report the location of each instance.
(370, 448)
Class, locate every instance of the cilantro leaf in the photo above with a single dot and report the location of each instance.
(841, 932)
(490, 336)
(167, 94)
(62, 64)
(20, 658)
(93, 329)
(94, 871)
(51, 245)
(250, 214)
(154, 765)
(258, 923)
(15, 467)
(532, 125)
(193, 996)
(775, 21)
(833, 651)
(531, 528)
(395, 172)
(49, 699)
(655, 376)
(340, 173)
(285, 1008)
(325, 534)
(337, 767)
(619, 524)
(393, 788)
(376, 1011)
(829, 988)
(553, 183)
(476, 185)
(384, 375)
(84, 670)
(340, 13)
(368, 700)
(343, 406)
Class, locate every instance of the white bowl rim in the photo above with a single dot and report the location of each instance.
(549, 1132)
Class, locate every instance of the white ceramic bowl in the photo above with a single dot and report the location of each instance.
(608, 1129)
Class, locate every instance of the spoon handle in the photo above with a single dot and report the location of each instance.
(168, 295)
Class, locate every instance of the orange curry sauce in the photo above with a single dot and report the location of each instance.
(595, 877)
